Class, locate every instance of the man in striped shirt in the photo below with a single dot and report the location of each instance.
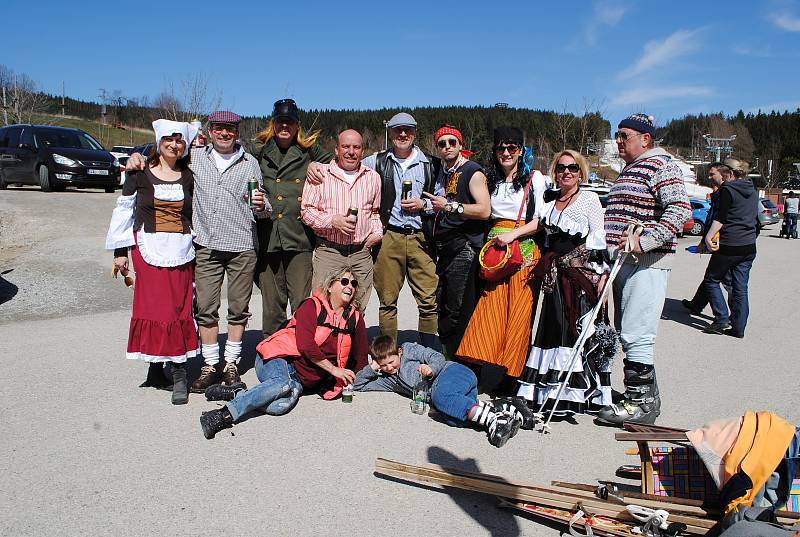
(344, 239)
(649, 190)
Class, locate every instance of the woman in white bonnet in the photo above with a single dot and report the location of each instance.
(152, 219)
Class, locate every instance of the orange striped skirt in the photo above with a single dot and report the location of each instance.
(499, 331)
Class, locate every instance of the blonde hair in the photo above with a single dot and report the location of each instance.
(303, 139)
(334, 275)
(579, 160)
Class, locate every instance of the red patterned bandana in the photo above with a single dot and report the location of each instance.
(449, 129)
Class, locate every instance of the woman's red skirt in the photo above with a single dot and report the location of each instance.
(162, 324)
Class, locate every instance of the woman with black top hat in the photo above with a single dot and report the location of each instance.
(499, 331)
(283, 271)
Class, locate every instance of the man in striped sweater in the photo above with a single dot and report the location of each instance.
(649, 190)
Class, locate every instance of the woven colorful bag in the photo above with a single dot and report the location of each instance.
(501, 261)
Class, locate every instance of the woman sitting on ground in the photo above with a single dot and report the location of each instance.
(322, 345)
(573, 273)
(153, 218)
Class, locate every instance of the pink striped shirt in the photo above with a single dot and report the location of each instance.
(335, 196)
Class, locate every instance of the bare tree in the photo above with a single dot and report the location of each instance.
(562, 123)
(21, 98)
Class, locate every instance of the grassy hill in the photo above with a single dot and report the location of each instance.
(105, 134)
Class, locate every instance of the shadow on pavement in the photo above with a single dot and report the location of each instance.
(481, 507)
(674, 311)
(7, 289)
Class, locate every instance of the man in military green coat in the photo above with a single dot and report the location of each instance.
(283, 271)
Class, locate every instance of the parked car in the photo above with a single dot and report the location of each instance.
(143, 149)
(601, 191)
(126, 149)
(700, 208)
(54, 158)
(767, 212)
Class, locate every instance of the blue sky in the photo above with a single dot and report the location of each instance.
(665, 58)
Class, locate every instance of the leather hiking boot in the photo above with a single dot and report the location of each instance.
(502, 427)
(230, 375)
(716, 328)
(180, 388)
(208, 377)
(221, 392)
(517, 407)
(214, 421)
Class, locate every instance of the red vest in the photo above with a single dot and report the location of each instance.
(283, 343)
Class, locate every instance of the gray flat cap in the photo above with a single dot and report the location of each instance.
(402, 120)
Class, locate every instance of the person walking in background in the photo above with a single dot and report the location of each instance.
(700, 299)
(499, 331)
(649, 191)
(736, 221)
(790, 210)
(460, 228)
(345, 238)
(153, 218)
(283, 268)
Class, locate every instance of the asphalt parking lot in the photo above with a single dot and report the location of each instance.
(85, 451)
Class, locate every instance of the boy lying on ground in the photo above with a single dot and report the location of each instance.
(453, 391)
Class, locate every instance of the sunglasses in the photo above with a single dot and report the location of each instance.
(511, 148)
(232, 129)
(619, 135)
(444, 142)
(347, 281)
(574, 168)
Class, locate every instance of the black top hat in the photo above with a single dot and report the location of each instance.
(286, 108)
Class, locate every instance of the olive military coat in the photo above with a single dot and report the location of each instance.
(284, 177)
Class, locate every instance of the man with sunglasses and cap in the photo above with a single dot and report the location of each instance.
(223, 220)
(459, 230)
(283, 270)
(649, 190)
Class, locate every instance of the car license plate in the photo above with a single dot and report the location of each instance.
(97, 172)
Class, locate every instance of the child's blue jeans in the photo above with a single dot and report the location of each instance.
(455, 391)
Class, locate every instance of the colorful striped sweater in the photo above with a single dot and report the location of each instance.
(651, 190)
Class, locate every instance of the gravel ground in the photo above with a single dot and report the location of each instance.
(87, 452)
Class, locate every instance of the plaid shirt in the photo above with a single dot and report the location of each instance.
(223, 219)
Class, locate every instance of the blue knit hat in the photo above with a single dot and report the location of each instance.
(640, 123)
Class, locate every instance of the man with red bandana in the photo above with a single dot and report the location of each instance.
(459, 231)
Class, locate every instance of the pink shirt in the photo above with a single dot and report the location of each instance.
(335, 196)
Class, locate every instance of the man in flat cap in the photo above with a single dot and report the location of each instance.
(649, 190)
(223, 219)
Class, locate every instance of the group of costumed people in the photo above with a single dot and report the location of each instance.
(323, 348)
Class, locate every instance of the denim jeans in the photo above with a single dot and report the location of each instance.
(639, 294)
(791, 223)
(455, 391)
(739, 267)
(700, 298)
(276, 395)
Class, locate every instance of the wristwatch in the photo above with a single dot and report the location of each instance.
(454, 207)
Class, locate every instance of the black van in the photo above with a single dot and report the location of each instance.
(55, 158)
